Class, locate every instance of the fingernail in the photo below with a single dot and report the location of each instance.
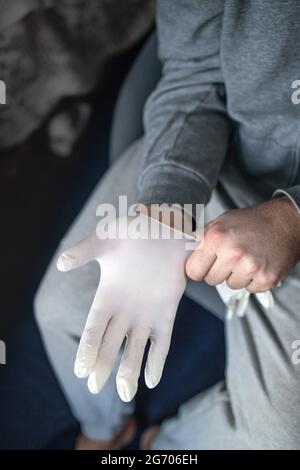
(126, 389)
(92, 383)
(80, 371)
(152, 379)
(66, 262)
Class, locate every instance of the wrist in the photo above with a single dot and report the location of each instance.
(289, 209)
(171, 215)
(288, 219)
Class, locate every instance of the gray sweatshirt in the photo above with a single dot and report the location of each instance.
(225, 94)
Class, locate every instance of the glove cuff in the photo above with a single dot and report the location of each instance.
(172, 215)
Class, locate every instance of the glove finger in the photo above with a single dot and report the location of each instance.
(97, 321)
(227, 294)
(157, 355)
(80, 254)
(243, 304)
(111, 344)
(266, 299)
(131, 363)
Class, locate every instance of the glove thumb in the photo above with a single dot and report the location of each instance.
(80, 254)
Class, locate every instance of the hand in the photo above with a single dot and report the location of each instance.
(253, 248)
(141, 284)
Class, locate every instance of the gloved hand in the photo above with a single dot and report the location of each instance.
(141, 284)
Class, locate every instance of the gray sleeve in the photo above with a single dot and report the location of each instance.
(292, 193)
(187, 129)
(12, 11)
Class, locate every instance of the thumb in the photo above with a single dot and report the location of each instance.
(80, 254)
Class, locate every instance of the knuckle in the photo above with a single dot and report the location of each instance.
(263, 280)
(251, 264)
(236, 253)
(216, 234)
(272, 279)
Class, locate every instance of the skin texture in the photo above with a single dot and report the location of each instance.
(255, 247)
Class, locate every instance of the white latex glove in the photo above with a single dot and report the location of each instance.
(141, 284)
(236, 300)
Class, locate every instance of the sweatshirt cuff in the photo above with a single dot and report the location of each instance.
(292, 193)
(173, 184)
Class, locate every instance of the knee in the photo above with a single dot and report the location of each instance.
(282, 431)
(285, 408)
(41, 308)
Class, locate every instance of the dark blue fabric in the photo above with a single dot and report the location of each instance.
(33, 411)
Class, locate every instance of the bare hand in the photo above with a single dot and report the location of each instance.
(254, 247)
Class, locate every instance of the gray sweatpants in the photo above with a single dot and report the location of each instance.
(258, 405)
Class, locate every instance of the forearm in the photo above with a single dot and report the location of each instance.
(187, 129)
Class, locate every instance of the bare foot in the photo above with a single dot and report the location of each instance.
(84, 443)
(148, 436)
(120, 440)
